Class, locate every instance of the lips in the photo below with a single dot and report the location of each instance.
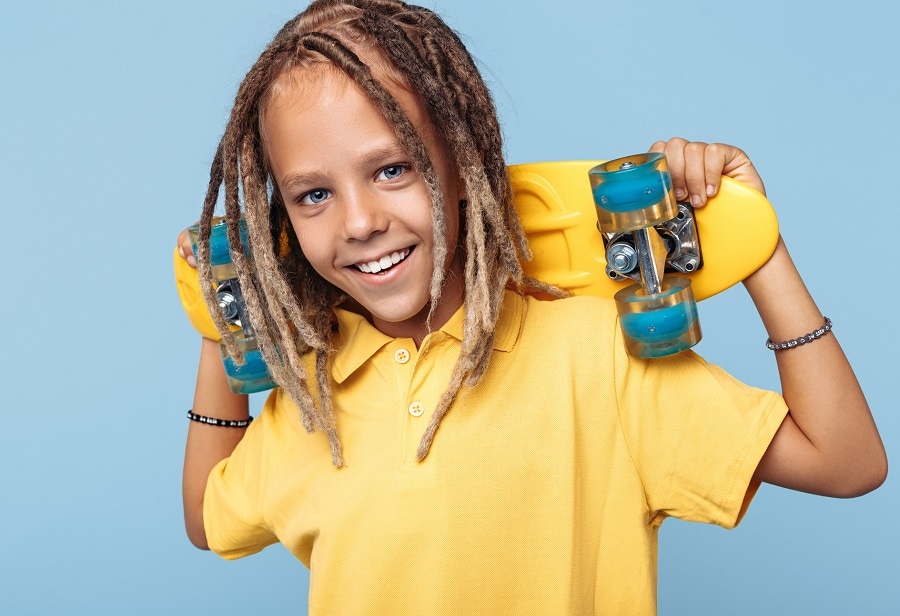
(384, 263)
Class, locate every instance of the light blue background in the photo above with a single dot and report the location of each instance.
(109, 116)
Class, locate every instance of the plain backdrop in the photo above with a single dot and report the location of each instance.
(109, 116)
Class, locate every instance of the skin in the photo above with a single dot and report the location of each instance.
(828, 444)
(354, 199)
(207, 445)
(354, 206)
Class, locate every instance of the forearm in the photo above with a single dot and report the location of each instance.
(208, 445)
(829, 443)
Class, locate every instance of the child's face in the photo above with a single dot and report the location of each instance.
(361, 214)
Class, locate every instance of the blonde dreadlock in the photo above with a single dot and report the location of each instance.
(290, 305)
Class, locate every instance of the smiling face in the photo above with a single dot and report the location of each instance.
(361, 213)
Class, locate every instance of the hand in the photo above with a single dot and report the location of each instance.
(696, 168)
(185, 249)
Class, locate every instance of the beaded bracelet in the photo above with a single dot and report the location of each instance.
(792, 344)
(225, 423)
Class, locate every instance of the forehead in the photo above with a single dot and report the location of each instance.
(322, 84)
(309, 74)
(306, 86)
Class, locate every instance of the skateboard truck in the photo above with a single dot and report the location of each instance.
(645, 229)
(252, 375)
(682, 246)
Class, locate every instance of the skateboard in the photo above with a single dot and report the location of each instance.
(251, 375)
(623, 235)
(607, 228)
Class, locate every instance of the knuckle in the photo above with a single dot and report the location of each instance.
(695, 147)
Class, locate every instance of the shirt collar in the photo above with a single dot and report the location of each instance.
(359, 340)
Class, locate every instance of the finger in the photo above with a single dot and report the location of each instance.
(717, 158)
(738, 166)
(695, 167)
(674, 151)
(185, 249)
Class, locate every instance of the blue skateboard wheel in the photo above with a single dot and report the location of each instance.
(249, 378)
(656, 325)
(632, 188)
(662, 332)
(219, 253)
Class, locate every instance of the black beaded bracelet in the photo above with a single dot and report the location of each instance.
(225, 423)
(793, 344)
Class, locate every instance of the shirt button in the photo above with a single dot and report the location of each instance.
(402, 356)
(416, 409)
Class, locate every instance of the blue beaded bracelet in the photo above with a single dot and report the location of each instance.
(225, 423)
(793, 344)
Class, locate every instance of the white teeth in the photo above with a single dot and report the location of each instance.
(385, 262)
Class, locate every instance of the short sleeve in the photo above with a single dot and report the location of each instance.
(233, 502)
(696, 435)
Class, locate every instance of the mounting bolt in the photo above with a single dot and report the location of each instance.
(622, 257)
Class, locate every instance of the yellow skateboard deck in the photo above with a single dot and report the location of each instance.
(738, 231)
(187, 282)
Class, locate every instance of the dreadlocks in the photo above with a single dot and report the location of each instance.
(290, 305)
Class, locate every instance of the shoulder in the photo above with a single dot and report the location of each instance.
(587, 306)
(570, 314)
(585, 322)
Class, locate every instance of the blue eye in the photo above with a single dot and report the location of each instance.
(392, 172)
(315, 197)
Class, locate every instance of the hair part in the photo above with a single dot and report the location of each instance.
(291, 307)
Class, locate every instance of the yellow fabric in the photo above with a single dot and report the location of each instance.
(544, 488)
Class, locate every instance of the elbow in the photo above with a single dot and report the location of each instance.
(864, 479)
(193, 517)
(875, 479)
(198, 539)
(196, 532)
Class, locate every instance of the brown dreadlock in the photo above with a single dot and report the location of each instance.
(290, 305)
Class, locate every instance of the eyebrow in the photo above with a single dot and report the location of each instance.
(294, 181)
(380, 155)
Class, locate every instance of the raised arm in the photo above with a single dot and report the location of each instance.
(208, 444)
(828, 444)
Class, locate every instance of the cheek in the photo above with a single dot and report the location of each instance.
(306, 238)
(298, 231)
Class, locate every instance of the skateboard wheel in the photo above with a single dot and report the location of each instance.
(659, 324)
(253, 375)
(219, 251)
(633, 192)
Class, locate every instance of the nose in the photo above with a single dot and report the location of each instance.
(363, 216)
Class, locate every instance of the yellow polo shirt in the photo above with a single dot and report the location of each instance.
(545, 485)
